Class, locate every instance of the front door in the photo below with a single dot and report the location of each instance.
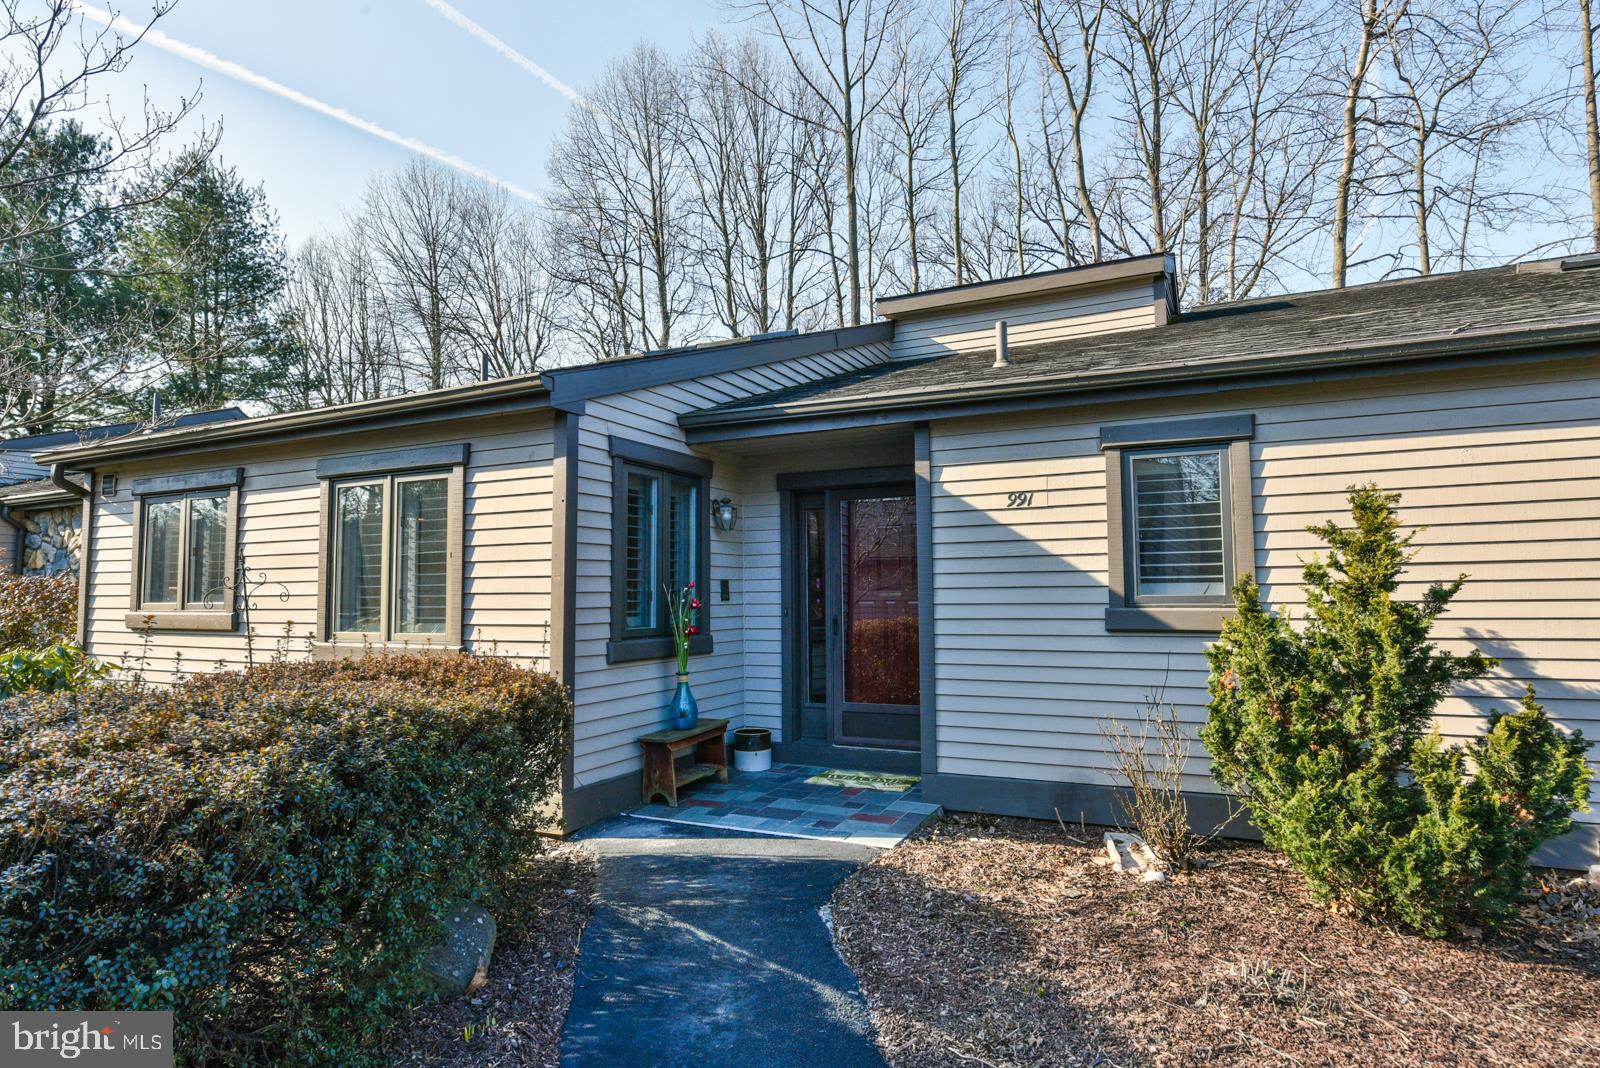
(859, 671)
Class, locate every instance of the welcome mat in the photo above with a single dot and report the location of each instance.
(865, 780)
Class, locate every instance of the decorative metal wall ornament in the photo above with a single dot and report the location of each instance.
(246, 586)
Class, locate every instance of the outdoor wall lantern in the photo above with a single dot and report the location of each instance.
(724, 514)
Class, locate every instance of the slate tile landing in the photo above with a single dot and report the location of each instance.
(781, 802)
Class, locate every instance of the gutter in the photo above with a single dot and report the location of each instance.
(59, 479)
(499, 395)
(1433, 346)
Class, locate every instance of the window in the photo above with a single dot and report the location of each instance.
(393, 547)
(1175, 507)
(1180, 529)
(184, 533)
(659, 533)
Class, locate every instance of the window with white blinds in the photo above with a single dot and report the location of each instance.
(661, 549)
(1178, 512)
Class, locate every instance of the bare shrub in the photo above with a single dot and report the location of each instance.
(1152, 757)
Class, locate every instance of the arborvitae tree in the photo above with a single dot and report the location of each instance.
(1327, 733)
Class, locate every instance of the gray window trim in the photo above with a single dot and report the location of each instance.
(1171, 432)
(1123, 613)
(187, 483)
(168, 616)
(379, 467)
(800, 481)
(393, 461)
(626, 644)
(677, 463)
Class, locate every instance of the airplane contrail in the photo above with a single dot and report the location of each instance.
(210, 61)
(506, 50)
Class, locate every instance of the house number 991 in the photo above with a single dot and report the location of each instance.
(1019, 500)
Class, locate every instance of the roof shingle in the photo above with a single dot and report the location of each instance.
(1224, 336)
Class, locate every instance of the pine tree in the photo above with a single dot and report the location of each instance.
(210, 258)
(1327, 733)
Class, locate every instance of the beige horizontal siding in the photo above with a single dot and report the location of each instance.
(1101, 310)
(506, 589)
(1501, 472)
(739, 679)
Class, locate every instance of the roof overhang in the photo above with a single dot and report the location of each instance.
(27, 495)
(1178, 379)
(571, 386)
(1028, 286)
(501, 396)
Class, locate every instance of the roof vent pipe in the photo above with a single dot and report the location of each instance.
(1002, 354)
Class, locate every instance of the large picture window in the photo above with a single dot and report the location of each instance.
(184, 534)
(660, 545)
(1180, 531)
(393, 547)
(391, 557)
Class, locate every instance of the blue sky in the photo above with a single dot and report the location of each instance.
(399, 64)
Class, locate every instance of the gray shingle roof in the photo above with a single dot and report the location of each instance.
(1387, 316)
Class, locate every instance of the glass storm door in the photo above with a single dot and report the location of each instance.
(860, 669)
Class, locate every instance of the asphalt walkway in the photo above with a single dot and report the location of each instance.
(711, 947)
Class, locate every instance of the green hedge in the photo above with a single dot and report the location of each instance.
(264, 852)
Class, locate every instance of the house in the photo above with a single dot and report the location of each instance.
(920, 549)
(45, 519)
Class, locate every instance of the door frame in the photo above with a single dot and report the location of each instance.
(795, 748)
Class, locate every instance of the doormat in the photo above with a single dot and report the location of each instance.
(865, 780)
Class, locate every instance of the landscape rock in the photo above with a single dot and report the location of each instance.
(459, 964)
(1128, 853)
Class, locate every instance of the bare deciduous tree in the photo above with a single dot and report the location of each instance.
(835, 47)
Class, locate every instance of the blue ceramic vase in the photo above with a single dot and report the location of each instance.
(684, 710)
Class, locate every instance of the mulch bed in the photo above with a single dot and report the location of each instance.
(516, 1019)
(1001, 942)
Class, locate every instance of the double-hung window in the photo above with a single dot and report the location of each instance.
(659, 546)
(1180, 529)
(184, 544)
(393, 547)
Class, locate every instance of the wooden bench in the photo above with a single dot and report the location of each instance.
(709, 738)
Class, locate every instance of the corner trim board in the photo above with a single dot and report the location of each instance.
(922, 464)
(564, 579)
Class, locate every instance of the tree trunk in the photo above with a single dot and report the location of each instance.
(1591, 120)
(1347, 157)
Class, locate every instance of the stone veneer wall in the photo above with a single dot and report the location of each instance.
(51, 538)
